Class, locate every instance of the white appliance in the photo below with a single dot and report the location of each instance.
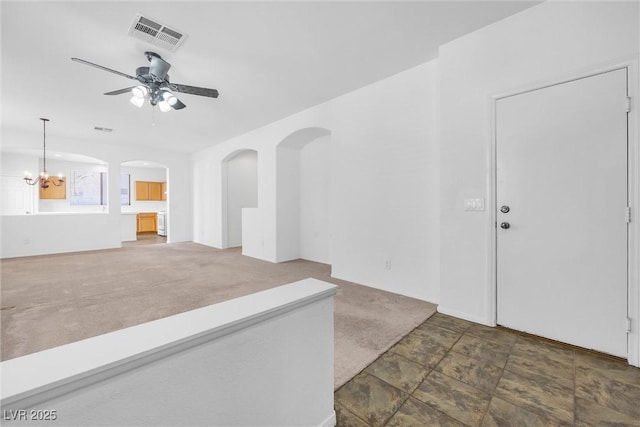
(162, 223)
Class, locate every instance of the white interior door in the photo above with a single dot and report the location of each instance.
(17, 197)
(561, 158)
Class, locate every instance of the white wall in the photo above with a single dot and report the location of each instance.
(50, 233)
(252, 243)
(241, 192)
(314, 234)
(16, 164)
(93, 232)
(383, 165)
(549, 42)
(385, 195)
(288, 202)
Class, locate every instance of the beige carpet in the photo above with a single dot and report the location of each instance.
(52, 300)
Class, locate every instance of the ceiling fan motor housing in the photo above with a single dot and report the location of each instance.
(150, 55)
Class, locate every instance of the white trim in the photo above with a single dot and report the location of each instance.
(492, 306)
(330, 421)
(633, 253)
(634, 203)
(462, 315)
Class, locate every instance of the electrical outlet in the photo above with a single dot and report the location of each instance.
(387, 265)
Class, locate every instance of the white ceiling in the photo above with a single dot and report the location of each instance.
(268, 60)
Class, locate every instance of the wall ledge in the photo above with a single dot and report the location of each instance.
(41, 376)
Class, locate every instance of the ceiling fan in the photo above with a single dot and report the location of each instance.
(154, 84)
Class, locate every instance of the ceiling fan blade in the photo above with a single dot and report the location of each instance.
(193, 90)
(82, 61)
(178, 105)
(120, 91)
(158, 67)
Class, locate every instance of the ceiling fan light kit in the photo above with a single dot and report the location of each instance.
(164, 106)
(138, 101)
(170, 98)
(154, 84)
(140, 91)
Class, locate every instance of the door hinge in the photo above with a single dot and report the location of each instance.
(627, 214)
(628, 324)
(628, 104)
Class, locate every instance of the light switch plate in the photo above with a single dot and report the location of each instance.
(474, 204)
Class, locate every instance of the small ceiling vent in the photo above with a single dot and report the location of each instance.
(102, 129)
(156, 33)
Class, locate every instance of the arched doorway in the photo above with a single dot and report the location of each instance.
(302, 196)
(80, 188)
(239, 191)
(144, 196)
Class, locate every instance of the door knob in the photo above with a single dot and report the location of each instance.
(504, 225)
(504, 209)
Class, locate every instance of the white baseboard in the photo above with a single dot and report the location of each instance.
(462, 315)
(330, 421)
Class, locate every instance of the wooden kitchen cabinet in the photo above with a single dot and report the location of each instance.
(54, 192)
(142, 190)
(150, 190)
(147, 222)
(155, 191)
(164, 191)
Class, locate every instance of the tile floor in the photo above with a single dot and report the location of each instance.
(450, 372)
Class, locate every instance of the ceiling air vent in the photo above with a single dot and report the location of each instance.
(156, 33)
(102, 129)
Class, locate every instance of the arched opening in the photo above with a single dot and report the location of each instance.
(239, 191)
(78, 183)
(302, 196)
(144, 196)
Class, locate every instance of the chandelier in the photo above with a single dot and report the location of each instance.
(44, 178)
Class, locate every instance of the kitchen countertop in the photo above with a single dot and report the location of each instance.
(136, 213)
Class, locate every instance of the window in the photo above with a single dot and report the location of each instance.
(125, 189)
(91, 188)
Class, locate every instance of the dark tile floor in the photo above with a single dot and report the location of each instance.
(450, 372)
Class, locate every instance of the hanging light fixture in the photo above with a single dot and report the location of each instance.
(44, 178)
